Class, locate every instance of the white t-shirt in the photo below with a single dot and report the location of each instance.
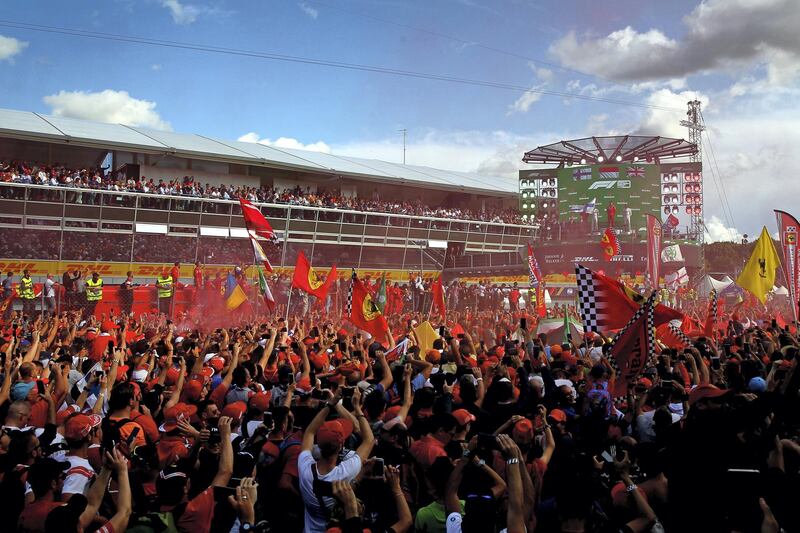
(647, 427)
(48, 288)
(315, 520)
(79, 474)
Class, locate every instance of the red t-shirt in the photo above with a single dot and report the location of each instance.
(175, 273)
(34, 515)
(199, 513)
(99, 346)
(198, 277)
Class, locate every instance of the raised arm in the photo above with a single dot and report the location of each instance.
(225, 468)
(515, 515)
(367, 438)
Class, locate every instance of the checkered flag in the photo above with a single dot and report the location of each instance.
(683, 337)
(711, 320)
(349, 309)
(587, 299)
(636, 350)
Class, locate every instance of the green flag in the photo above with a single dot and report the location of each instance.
(380, 297)
(262, 282)
(566, 325)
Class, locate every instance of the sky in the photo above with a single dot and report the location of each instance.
(740, 58)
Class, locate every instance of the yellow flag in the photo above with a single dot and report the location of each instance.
(758, 275)
(236, 298)
(425, 336)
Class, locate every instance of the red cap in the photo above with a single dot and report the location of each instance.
(646, 382)
(342, 332)
(705, 391)
(522, 432)
(176, 413)
(172, 376)
(463, 416)
(80, 425)
(207, 372)
(261, 400)
(62, 416)
(558, 415)
(304, 385)
(347, 426)
(217, 363)
(331, 432)
(122, 372)
(191, 391)
(235, 410)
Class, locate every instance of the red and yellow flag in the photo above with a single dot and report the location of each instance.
(306, 279)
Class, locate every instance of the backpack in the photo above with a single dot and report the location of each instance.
(164, 522)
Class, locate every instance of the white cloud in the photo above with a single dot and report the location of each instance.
(308, 10)
(528, 98)
(664, 122)
(155, 66)
(181, 13)
(285, 142)
(106, 106)
(719, 34)
(717, 231)
(9, 47)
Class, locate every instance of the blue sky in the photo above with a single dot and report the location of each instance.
(740, 57)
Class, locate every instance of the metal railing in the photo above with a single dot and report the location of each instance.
(85, 222)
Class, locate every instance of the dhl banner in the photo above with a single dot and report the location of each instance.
(143, 271)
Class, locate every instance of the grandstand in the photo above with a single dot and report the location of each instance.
(55, 225)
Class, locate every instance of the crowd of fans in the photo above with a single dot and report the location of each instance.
(187, 187)
(306, 424)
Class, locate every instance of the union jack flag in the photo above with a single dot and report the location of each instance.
(636, 172)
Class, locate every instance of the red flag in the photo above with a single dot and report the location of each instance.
(438, 296)
(667, 335)
(306, 279)
(609, 244)
(654, 250)
(606, 304)
(692, 327)
(788, 230)
(457, 330)
(364, 314)
(255, 221)
(633, 346)
(541, 305)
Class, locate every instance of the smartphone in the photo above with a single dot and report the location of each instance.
(441, 331)
(607, 457)
(744, 487)
(347, 397)
(377, 467)
(666, 383)
(98, 374)
(460, 336)
(132, 436)
(323, 488)
(110, 347)
(487, 441)
(569, 337)
(40, 387)
(523, 323)
(715, 363)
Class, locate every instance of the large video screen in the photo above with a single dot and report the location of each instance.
(581, 189)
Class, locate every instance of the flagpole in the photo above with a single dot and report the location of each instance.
(256, 279)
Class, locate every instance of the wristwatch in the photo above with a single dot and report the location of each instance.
(630, 488)
(481, 462)
(245, 526)
(512, 461)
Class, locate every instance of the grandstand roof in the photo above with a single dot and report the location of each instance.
(28, 125)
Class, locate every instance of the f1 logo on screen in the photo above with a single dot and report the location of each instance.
(610, 184)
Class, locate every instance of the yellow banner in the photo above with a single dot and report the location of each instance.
(152, 270)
